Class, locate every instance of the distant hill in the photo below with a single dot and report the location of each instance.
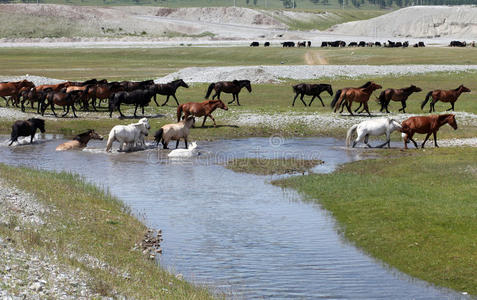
(417, 22)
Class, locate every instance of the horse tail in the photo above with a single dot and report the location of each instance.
(179, 112)
(209, 90)
(382, 98)
(158, 136)
(349, 134)
(427, 99)
(111, 139)
(335, 99)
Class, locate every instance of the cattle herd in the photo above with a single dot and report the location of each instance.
(341, 44)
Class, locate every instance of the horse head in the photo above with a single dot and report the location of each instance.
(94, 135)
(415, 89)
(221, 104)
(395, 125)
(38, 123)
(182, 83)
(329, 89)
(145, 121)
(246, 84)
(464, 89)
(189, 121)
(374, 86)
(451, 120)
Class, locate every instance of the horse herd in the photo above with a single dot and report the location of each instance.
(346, 96)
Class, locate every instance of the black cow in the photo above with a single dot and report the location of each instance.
(254, 44)
(266, 44)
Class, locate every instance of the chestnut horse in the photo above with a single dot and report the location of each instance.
(338, 93)
(61, 99)
(230, 87)
(425, 125)
(396, 95)
(351, 95)
(80, 141)
(444, 96)
(198, 109)
(54, 87)
(12, 89)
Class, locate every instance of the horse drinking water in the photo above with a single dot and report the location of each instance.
(230, 87)
(374, 127)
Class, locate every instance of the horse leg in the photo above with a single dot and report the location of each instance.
(177, 143)
(233, 99)
(67, 111)
(135, 110)
(177, 101)
(165, 102)
(74, 110)
(359, 138)
(210, 116)
(388, 141)
(94, 104)
(155, 101)
(367, 108)
(321, 100)
(203, 123)
(53, 109)
(142, 106)
(348, 107)
(356, 110)
(425, 140)
(301, 98)
(31, 137)
(452, 107)
(238, 102)
(366, 138)
(296, 96)
(435, 139)
(403, 103)
(119, 110)
(311, 101)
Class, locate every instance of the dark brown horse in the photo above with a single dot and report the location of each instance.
(199, 109)
(33, 96)
(101, 92)
(351, 95)
(396, 95)
(12, 89)
(444, 96)
(425, 125)
(54, 87)
(130, 86)
(62, 99)
(80, 141)
(90, 81)
(230, 87)
(169, 89)
(26, 128)
(314, 90)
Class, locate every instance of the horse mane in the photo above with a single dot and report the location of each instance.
(175, 81)
(81, 135)
(365, 85)
(37, 121)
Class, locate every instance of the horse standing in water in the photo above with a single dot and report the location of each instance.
(80, 141)
(425, 125)
(230, 87)
(197, 109)
(396, 95)
(374, 127)
(351, 95)
(169, 89)
(314, 90)
(26, 128)
(444, 96)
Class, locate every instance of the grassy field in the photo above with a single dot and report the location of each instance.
(415, 212)
(88, 221)
(146, 63)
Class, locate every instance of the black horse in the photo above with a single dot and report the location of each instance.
(137, 97)
(314, 90)
(130, 86)
(230, 87)
(26, 128)
(169, 89)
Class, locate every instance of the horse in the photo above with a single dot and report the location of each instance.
(338, 93)
(130, 86)
(54, 87)
(128, 135)
(197, 109)
(169, 89)
(101, 92)
(33, 96)
(314, 90)
(444, 96)
(374, 127)
(356, 94)
(90, 81)
(230, 87)
(396, 95)
(136, 97)
(12, 89)
(425, 125)
(26, 128)
(80, 141)
(62, 99)
(175, 132)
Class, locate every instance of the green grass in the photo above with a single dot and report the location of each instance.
(417, 213)
(265, 166)
(90, 221)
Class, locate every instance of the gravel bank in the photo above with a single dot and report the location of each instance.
(271, 74)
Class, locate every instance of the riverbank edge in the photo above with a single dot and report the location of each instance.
(92, 232)
(375, 207)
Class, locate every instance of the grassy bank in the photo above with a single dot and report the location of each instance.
(417, 212)
(89, 222)
(279, 166)
(142, 63)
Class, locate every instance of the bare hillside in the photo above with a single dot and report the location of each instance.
(417, 22)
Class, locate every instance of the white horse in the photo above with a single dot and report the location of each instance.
(189, 152)
(128, 135)
(373, 127)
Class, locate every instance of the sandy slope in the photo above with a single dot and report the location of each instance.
(417, 22)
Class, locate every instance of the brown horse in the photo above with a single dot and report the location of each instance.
(425, 124)
(338, 94)
(351, 95)
(230, 87)
(61, 99)
(396, 95)
(102, 92)
(54, 87)
(80, 141)
(33, 96)
(444, 96)
(198, 109)
(12, 89)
